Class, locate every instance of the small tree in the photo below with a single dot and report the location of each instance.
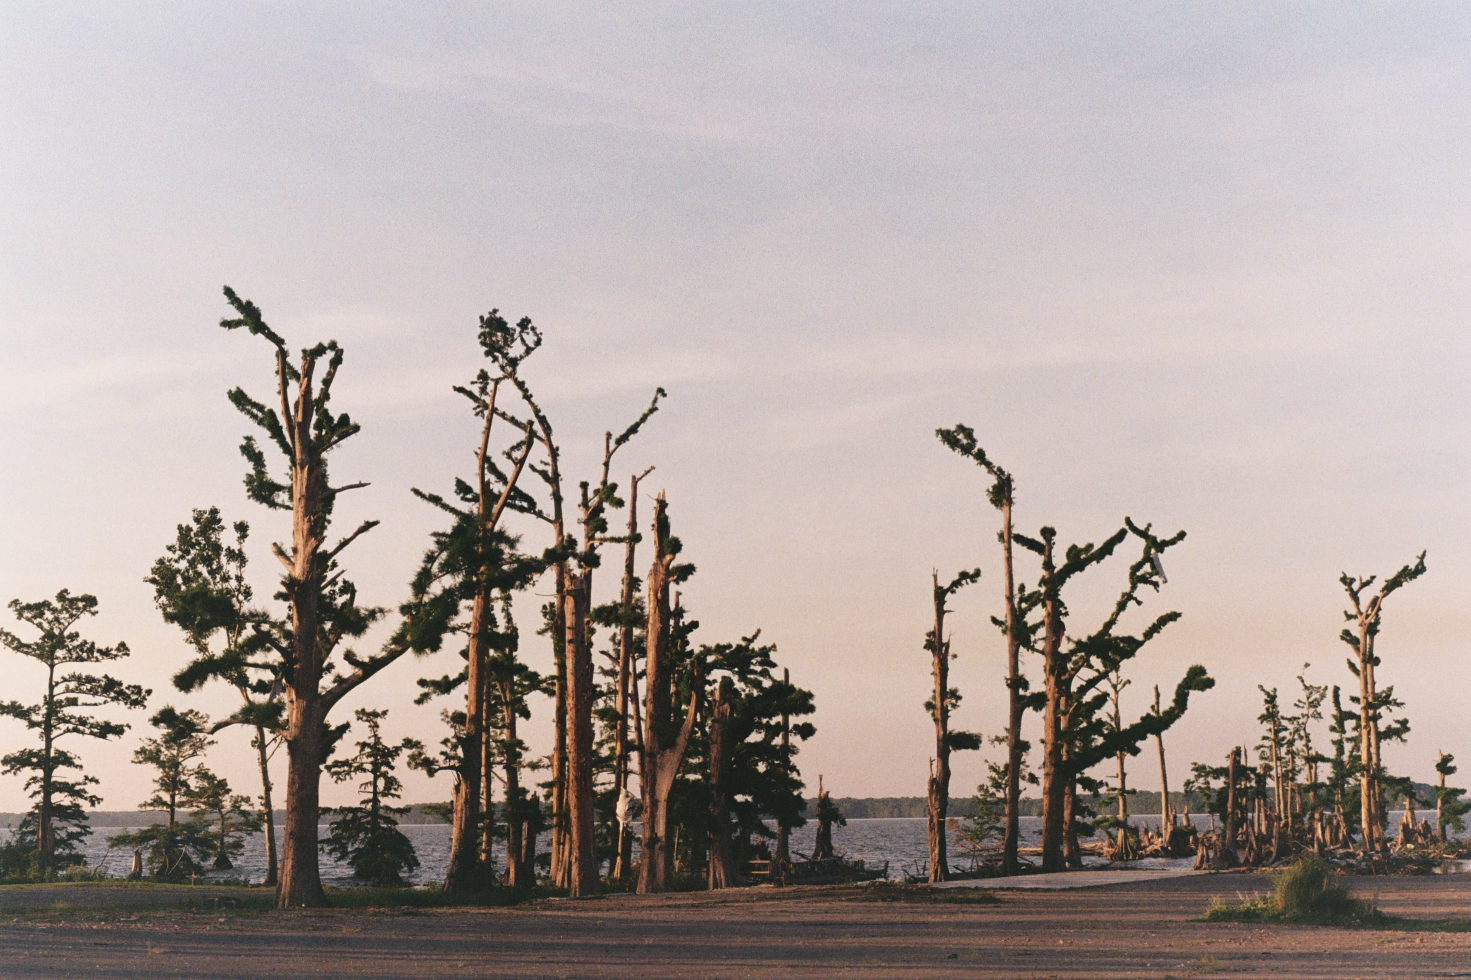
(1449, 806)
(199, 585)
(979, 832)
(221, 820)
(183, 738)
(366, 836)
(58, 821)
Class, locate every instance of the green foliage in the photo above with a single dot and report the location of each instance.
(183, 738)
(58, 821)
(1306, 893)
(987, 826)
(221, 820)
(366, 836)
(1449, 798)
(199, 586)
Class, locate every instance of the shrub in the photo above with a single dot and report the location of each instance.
(1303, 892)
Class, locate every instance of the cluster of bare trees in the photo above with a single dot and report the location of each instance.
(1077, 673)
(1306, 795)
(709, 739)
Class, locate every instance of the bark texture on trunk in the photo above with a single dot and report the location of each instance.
(1166, 812)
(1054, 770)
(270, 813)
(664, 747)
(722, 872)
(938, 787)
(783, 857)
(582, 865)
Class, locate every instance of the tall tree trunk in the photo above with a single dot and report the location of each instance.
(45, 836)
(939, 781)
(783, 856)
(301, 883)
(560, 876)
(1012, 835)
(1166, 812)
(1072, 853)
(1368, 776)
(663, 749)
(1054, 772)
(624, 858)
(270, 814)
(582, 864)
(465, 829)
(721, 869)
(1230, 831)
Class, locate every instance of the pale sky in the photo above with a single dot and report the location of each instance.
(1201, 266)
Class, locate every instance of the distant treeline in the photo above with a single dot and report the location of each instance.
(891, 807)
(1141, 803)
(418, 814)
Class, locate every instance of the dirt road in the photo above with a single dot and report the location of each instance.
(1132, 930)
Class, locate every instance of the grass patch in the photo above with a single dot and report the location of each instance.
(898, 891)
(1304, 893)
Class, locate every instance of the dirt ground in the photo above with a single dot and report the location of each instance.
(1130, 930)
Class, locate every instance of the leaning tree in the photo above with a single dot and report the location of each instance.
(54, 776)
(322, 607)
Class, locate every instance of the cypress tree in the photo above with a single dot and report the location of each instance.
(54, 777)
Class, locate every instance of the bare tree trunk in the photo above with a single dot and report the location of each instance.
(663, 749)
(301, 883)
(559, 870)
(939, 781)
(783, 858)
(1230, 830)
(1055, 779)
(1166, 812)
(582, 863)
(624, 857)
(465, 828)
(270, 813)
(1072, 852)
(721, 869)
(1011, 841)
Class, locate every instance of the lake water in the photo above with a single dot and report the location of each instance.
(900, 842)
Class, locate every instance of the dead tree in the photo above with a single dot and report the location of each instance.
(574, 862)
(943, 699)
(626, 612)
(783, 857)
(1365, 615)
(665, 740)
(323, 608)
(962, 440)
